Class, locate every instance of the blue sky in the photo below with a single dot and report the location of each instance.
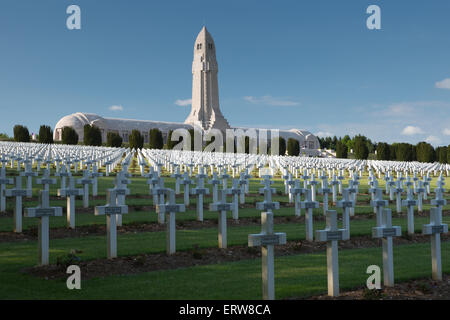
(309, 64)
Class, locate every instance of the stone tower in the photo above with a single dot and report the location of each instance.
(205, 111)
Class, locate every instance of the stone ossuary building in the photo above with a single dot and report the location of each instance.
(205, 111)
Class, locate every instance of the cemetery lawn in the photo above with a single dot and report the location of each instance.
(296, 275)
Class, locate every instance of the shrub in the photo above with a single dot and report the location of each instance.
(383, 151)
(425, 152)
(21, 133)
(360, 147)
(156, 139)
(92, 136)
(293, 147)
(113, 139)
(341, 150)
(69, 136)
(136, 140)
(45, 134)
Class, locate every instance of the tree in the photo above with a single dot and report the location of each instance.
(341, 150)
(404, 152)
(425, 152)
(136, 140)
(293, 147)
(21, 133)
(92, 136)
(448, 154)
(383, 151)
(5, 137)
(170, 143)
(113, 139)
(332, 144)
(282, 146)
(360, 148)
(45, 134)
(69, 136)
(441, 154)
(156, 139)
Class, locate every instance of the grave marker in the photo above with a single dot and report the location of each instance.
(43, 212)
(386, 231)
(434, 229)
(266, 240)
(331, 234)
(111, 210)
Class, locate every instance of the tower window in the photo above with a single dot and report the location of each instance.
(199, 46)
(210, 46)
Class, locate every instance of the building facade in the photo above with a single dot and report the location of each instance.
(205, 110)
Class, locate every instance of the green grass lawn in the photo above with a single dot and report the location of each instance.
(296, 275)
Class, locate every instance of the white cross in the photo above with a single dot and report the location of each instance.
(290, 182)
(111, 210)
(186, 182)
(297, 191)
(267, 204)
(3, 182)
(235, 191)
(352, 192)
(224, 178)
(222, 207)
(200, 190)
(63, 174)
(18, 192)
(177, 175)
(386, 182)
(215, 182)
(43, 212)
(120, 186)
(29, 174)
(410, 203)
(170, 209)
(309, 205)
(159, 192)
(85, 181)
(372, 190)
(95, 175)
(386, 231)
(420, 191)
(398, 192)
(325, 191)
(391, 184)
(439, 201)
(71, 192)
(331, 234)
(341, 177)
(333, 183)
(313, 184)
(266, 240)
(346, 203)
(243, 183)
(434, 229)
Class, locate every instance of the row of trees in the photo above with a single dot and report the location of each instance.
(362, 147)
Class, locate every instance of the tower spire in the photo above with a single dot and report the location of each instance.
(205, 110)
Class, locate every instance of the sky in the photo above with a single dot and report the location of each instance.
(310, 64)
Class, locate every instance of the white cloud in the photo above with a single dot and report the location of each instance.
(446, 132)
(444, 84)
(411, 130)
(271, 101)
(433, 140)
(116, 108)
(324, 134)
(183, 103)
